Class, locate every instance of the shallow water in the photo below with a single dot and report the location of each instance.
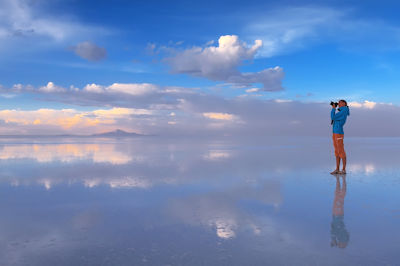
(149, 201)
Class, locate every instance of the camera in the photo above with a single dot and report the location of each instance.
(334, 103)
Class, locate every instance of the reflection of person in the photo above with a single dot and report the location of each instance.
(338, 121)
(339, 234)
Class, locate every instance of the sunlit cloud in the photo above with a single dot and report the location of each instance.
(221, 63)
(69, 119)
(219, 116)
(50, 87)
(151, 109)
(252, 90)
(283, 101)
(121, 112)
(124, 88)
(365, 104)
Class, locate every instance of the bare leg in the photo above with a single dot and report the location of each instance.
(337, 163)
(337, 170)
(344, 164)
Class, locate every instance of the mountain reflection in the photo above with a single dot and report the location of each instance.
(339, 234)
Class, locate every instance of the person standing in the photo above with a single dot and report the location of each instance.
(338, 121)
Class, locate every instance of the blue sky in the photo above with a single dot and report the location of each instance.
(313, 51)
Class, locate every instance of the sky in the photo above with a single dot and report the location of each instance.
(204, 68)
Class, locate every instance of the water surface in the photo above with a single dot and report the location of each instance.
(150, 201)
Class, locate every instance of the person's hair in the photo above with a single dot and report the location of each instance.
(344, 102)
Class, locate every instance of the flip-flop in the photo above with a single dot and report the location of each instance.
(342, 172)
(335, 172)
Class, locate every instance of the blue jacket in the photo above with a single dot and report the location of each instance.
(339, 119)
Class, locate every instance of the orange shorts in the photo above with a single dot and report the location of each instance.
(338, 144)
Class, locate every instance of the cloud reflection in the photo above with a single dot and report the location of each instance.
(368, 168)
(221, 210)
(45, 153)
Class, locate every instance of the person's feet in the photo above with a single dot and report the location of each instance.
(335, 172)
(343, 172)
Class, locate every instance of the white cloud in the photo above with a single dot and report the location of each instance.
(214, 62)
(365, 104)
(252, 90)
(89, 51)
(283, 101)
(22, 18)
(121, 112)
(8, 96)
(133, 89)
(292, 28)
(220, 63)
(51, 87)
(93, 88)
(154, 110)
(286, 28)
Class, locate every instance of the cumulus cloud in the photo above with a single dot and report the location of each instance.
(365, 104)
(214, 62)
(51, 87)
(220, 63)
(89, 51)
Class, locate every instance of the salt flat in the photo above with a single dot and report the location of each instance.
(153, 201)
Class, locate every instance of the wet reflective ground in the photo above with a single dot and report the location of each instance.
(148, 201)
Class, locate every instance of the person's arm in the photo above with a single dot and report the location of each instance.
(333, 113)
(338, 116)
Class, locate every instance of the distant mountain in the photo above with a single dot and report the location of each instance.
(113, 134)
(117, 133)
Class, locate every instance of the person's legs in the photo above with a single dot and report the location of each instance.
(337, 163)
(335, 145)
(344, 165)
(341, 152)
